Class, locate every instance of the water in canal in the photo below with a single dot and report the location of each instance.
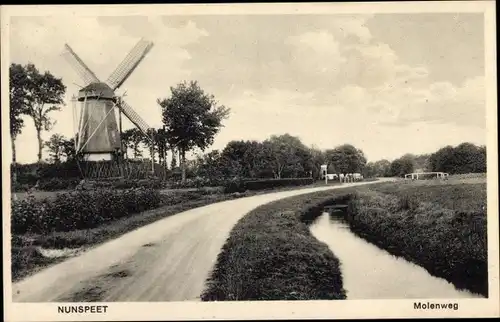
(369, 272)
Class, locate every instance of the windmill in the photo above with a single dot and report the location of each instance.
(98, 140)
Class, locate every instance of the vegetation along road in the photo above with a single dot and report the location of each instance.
(169, 260)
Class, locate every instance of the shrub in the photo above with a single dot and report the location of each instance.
(55, 184)
(79, 210)
(240, 185)
(235, 185)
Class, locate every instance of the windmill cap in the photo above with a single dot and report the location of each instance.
(96, 90)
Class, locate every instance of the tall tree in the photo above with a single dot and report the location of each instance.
(379, 168)
(464, 158)
(161, 144)
(133, 138)
(347, 159)
(173, 162)
(151, 143)
(211, 166)
(44, 95)
(285, 154)
(318, 158)
(18, 99)
(192, 118)
(55, 146)
(402, 166)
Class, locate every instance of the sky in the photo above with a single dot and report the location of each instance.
(388, 84)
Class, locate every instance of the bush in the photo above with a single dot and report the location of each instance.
(79, 210)
(54, 184)
(235, 185)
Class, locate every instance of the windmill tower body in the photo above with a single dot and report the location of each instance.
(98, 136)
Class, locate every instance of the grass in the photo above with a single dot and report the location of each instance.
(438, 225)
(271, 255)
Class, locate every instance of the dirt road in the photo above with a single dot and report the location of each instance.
(168, 260)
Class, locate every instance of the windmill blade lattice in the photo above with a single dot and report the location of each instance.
(127, 66)
(81, 68)
(132, 115)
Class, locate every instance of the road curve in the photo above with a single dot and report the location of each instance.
(168, 260)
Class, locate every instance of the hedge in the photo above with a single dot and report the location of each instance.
(241, 185)
(79, 209)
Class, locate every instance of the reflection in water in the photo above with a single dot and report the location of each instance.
(371, 273)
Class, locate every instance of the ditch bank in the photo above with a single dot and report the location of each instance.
(448, 244)
(369, 272)
(271, 255)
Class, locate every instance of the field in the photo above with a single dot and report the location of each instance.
(439, 225)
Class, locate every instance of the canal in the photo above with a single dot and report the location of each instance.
(369, 272)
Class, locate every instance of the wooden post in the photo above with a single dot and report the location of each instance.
(152, 154)
(121, 160)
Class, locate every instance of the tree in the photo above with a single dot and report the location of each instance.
(318, 158)
(133, 138)
(68, 149)
(173, 162)
(44, 94)
(402, 166)
(422, 162)
(150, 141)
(55, 146)
(18, 100)
(379, 168)
(346, 159)
(286, 156)
(192, 118)
(211, 166)
(465, 158)
(161, 142)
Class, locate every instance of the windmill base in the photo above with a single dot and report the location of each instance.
(120, 169)
(96, 157)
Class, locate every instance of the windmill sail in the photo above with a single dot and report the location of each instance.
(132, 115)
(127, 66)
(85, 73)
(99, 135)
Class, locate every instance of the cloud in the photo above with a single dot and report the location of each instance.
(328, 79)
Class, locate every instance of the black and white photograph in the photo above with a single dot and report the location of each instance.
(164, 158)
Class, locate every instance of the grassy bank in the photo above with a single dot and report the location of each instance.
(438, 226)
(27, 257)
(271, 255)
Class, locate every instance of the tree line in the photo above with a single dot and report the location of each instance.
(464, 158)
(191, 118)
(278, 157)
